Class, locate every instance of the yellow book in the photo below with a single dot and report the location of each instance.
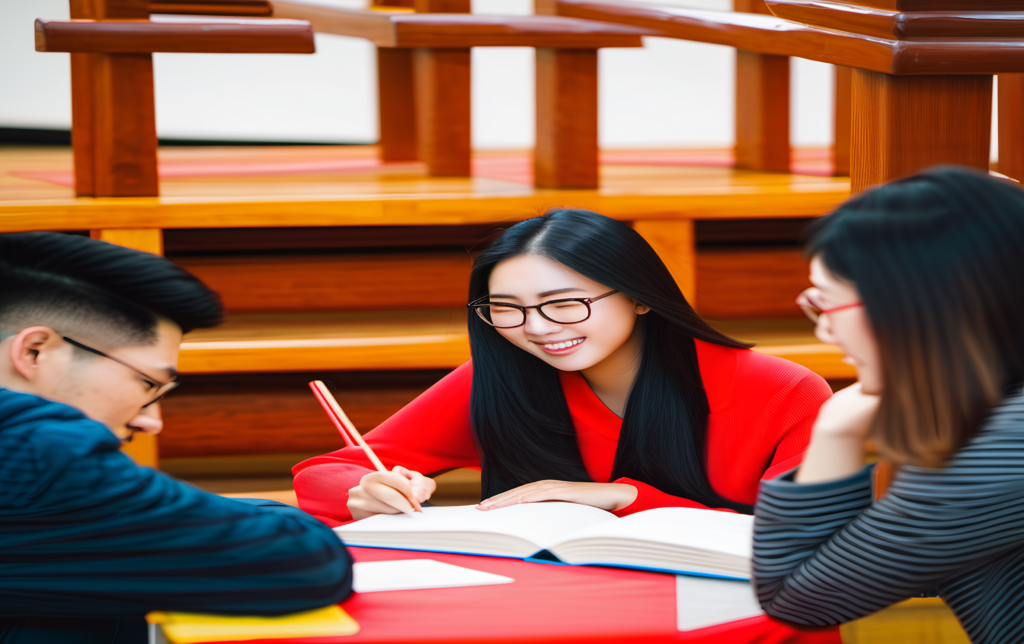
(189, 628)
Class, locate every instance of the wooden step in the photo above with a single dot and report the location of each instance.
(731, 282)
(349, 186)
(250, 412)
(420, 339)
(342, 282)
(335, 341)
(792, 339)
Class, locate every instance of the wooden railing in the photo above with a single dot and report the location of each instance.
(113, 109)
(921, 91)
(566, 150)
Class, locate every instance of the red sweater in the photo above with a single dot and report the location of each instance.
(762, 410)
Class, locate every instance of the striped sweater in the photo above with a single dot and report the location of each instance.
(825, 554)
(85, 533)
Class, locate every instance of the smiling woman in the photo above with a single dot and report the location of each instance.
(592, 381)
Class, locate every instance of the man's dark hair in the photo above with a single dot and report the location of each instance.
(97, 290)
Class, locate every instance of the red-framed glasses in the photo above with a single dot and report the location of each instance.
(808, 303)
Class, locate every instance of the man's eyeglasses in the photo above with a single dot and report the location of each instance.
(160, 389)
(808, 303)
(502, 315)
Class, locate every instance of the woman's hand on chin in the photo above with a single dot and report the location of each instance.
(837, 441)
(606, 496)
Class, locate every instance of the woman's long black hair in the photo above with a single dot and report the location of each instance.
(519, 414)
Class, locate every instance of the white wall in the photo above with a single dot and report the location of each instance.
(670, 93)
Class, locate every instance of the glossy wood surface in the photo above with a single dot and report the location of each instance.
(762, 105)
(83, 124)
(176, 35)
(404, 30)
(302, 186)
(842, 121)
(113, 112)
(396, 105)
(109, 9)
(417, 339)
(939, 5)
(443, 110)
(883, 475)
(339, 340)
(278, 412)
(1011, 125)
(204, 416)
(254, 8)
(762, 112)
(393, 4)
(124, 126)
(311, 282)
(722, 283)
(442, 6)
(566, 145)
(888, 23)
(771, 35)
(750, 282)
(143, 448)
(903, 124)
(675, 243)
(751, 6)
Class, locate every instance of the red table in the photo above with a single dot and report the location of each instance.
(547, 603)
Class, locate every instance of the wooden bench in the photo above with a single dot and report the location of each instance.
(917, 100)
(113, 109)
(566, 151)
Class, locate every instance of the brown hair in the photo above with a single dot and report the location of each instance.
(938, 259)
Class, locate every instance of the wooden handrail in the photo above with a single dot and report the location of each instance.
(890, 23)
(252, 8)
(175, 35)
(406, 30)
(772, 35)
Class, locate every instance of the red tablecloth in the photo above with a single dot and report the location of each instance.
(546, 604)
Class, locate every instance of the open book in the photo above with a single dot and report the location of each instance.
(678, 540)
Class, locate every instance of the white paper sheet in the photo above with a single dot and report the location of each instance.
(413, 574)
(703, 602)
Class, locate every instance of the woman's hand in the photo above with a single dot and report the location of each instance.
(837, 441)
(849, 412)
(607, 496)
(399, 490)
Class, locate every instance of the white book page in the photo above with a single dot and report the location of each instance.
(703, 602)
(708, 530)
(414, 574)
(542, 524)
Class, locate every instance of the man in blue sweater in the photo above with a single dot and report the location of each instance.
(90, 542)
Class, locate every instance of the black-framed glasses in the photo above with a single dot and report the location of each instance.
(503, 315)
(161, 388)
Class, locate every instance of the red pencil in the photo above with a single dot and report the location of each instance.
(342, 423)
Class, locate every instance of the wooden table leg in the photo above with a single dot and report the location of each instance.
(566, 152)
(396, 108)
(904, 124)
(762, 112)
(143, 447)
(443, 110)
(1011, 125)
(674, 241)
(842, 123)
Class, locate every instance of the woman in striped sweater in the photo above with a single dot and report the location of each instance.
(918, 283)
